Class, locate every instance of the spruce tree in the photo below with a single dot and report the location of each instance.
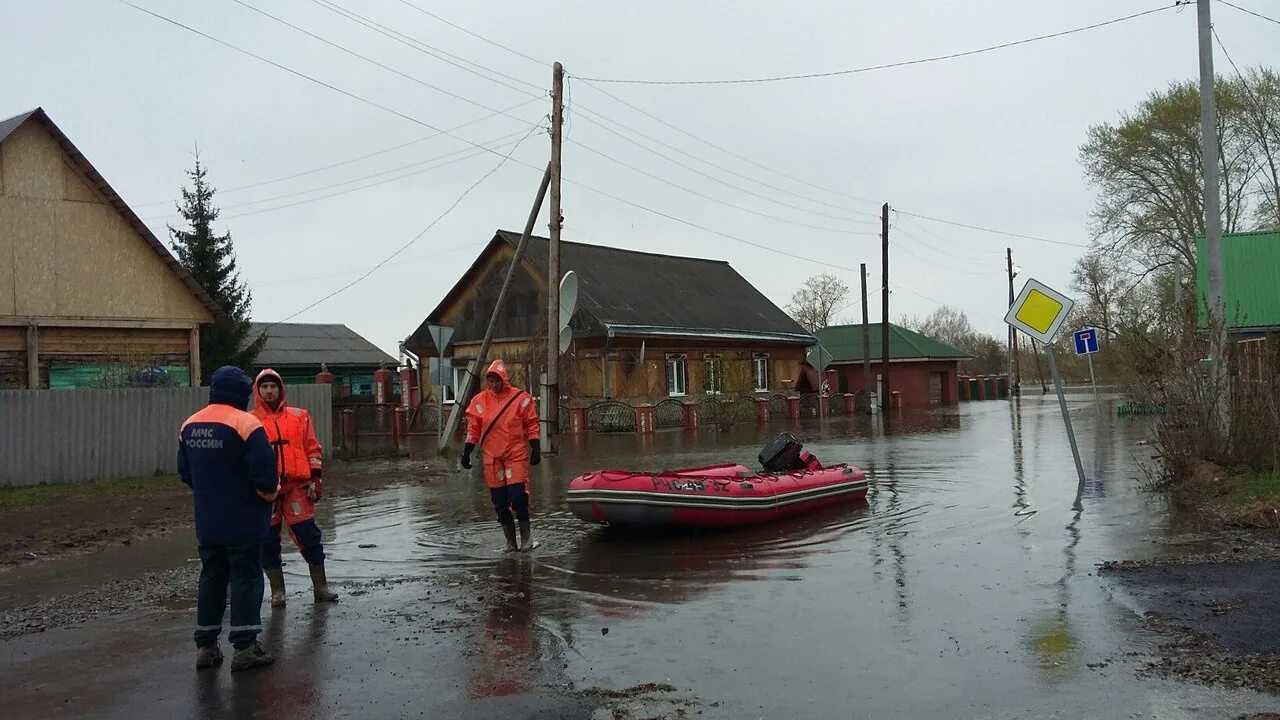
(211, 260)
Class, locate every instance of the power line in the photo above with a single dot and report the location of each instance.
(370, 60)
(410, 77)
(990, 230)
(423, 47)
(418, 45)
(929, 261)
(885, 66)
(467, 153)
(1244, 82)
(1250, 12)
(726, 151)
(631, 167)
(294, 281)
(349, 161)
(308, 78)
(415, 238)
(723, 169)
(474, 35)
(717, 200)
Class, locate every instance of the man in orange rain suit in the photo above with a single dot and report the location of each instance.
(298, 463)
(503, 421)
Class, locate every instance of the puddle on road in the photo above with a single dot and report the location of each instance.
(962, 587)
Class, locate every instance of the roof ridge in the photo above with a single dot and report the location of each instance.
(906, 337)
(617, 249)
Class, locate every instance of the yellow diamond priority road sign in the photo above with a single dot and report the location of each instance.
(1039, 311)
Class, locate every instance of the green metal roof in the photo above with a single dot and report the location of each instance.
(1251, 264)
(844, 342)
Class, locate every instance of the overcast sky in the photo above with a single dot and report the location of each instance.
(988, 140)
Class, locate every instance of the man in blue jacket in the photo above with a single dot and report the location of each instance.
(226, 459)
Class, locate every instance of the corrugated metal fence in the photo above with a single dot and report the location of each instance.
(66, 436)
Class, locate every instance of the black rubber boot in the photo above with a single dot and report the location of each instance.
(276, 578)
(510, 532)
(320, 585)
(526, 536)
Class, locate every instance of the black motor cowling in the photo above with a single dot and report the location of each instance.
(782, 454)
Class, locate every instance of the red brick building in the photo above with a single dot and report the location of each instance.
(922, 371)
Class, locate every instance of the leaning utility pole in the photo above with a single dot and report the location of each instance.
(1212, 214)
(885, 392)
(551, 395)
(1015, 379)
(866, 344)
(468, 385)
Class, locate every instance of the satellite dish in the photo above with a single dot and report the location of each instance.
(568, 299)
(566, 337)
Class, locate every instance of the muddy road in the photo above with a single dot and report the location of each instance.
(964, 587)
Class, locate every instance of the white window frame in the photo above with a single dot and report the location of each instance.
(459, 377)
(712, 380)
(677, 376)
(760, 372)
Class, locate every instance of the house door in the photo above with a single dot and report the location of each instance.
(935, 388)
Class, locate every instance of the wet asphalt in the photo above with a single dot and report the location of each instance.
(963, 587)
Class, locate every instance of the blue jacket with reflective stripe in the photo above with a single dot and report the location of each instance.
(226, 459)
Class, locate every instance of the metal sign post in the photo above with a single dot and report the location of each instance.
(1086, 345)
(440, 337)
(819, 358)
(1039, 311)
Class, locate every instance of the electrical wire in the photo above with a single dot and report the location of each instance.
(370, 60)
(308, 78)
(717, 200)
(1250, 12)
(384, 30)
(349, 161)
(415, 44)
(1258, 106)
(415, 238)
(727, 170)
(343, 273)
(417, 166)
(423, 47)
(884, 66)
(474, 35)
(990, 230)
(602, 154)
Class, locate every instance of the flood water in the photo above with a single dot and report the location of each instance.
(964, 587)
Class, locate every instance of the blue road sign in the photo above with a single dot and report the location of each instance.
(1086, 341)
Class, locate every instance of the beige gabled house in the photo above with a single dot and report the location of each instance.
(89, 297)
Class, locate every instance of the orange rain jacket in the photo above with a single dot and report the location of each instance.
(298, 452)
(506, 421)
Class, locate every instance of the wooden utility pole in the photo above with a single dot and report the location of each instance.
(551, 393)
(886, 394)
(866, 343)
(1015, 374)
(469, 384)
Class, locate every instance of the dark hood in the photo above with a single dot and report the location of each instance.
(229, 385)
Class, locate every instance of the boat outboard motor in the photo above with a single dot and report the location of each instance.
(784, 453)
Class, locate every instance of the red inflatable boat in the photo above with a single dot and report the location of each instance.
(717, 496)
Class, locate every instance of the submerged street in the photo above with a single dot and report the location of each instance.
(965, 586)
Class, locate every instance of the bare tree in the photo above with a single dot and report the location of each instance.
(816, 303)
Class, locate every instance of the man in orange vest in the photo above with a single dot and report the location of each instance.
(503, 421)
(298, 463)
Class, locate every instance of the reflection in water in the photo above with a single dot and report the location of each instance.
(505, 663)
(939, 550)
(1054, 642)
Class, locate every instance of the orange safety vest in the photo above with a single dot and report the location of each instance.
(290, 432)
